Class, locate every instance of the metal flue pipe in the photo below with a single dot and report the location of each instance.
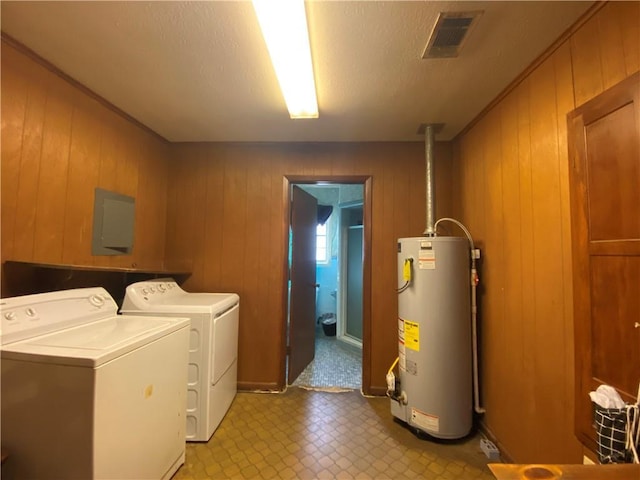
(430, 181)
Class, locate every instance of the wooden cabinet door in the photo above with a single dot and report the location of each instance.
(604, 156)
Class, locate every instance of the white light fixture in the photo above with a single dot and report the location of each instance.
(284, 28)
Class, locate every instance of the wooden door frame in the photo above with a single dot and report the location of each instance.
(365, 181)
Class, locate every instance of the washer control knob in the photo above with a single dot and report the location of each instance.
(10, 316)
(161, 288)
(152, 289)
(30, 312)
(96, 300)
(145, 291)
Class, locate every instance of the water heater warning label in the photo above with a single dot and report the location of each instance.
(427, 260)
(412, 335)
(424, 420)
(411, 367)
(401, 349)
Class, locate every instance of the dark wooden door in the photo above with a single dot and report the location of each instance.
(302, 295)
(604, 155)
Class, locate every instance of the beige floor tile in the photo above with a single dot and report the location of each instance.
(302, 434)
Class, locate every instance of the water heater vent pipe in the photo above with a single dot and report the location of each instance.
(430, 181)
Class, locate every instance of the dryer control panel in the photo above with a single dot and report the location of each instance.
(151, 292)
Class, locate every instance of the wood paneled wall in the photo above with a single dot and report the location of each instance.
(226, 213)
(511, 183)
(60, 143)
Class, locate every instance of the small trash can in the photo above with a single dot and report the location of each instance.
(329, 327)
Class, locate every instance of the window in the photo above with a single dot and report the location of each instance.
(321, 244)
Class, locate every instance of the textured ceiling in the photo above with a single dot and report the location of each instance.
(199, 71)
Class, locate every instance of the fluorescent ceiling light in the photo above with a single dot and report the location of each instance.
(284, 28)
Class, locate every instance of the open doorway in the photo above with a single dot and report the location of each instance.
(340, 285)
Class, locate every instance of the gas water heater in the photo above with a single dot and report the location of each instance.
(433, 393)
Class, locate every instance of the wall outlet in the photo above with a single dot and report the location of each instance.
(490, 450)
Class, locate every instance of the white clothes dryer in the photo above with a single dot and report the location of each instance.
(87, 393)
(213, 346)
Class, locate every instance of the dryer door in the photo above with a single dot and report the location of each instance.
(225, 342)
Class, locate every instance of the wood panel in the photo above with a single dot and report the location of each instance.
(627, 14)
(244, 242)
(23, 229)
(52, 178)
(612, 55)
(196, 216)
(549, 368)
(524, 444)
(151, 203)
(521, 219)
(606, 49)
(58, 144)
(14, 108)
(212, 237)
(565, 103)
(513, 289)
(494, 343)
(586, 61)
(82, 178)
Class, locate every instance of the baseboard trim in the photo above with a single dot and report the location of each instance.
(272, 387)
(376, 391)
(504, 454)
(267, 387)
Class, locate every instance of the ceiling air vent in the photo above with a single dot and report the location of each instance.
(449, 34)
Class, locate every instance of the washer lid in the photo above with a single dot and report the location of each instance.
(185, 303)
(95, 343)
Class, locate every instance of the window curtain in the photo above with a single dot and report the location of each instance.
(324, 212)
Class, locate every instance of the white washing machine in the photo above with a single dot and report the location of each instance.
(90, 394)
(213, 346)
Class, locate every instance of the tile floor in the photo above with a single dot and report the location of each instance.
(302, 434)
(336, 364)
